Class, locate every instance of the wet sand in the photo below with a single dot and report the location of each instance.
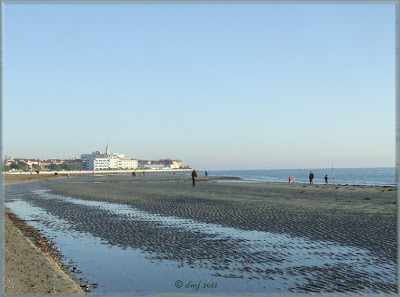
(360, 216)
(356, 216)
(363, 216)
(31, 264)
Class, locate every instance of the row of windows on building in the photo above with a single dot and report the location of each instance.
(95, 163)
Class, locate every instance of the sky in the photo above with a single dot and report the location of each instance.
(219, 86)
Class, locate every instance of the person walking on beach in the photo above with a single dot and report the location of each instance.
(290, 179)
(206, 172)
(311, 177)
(194, 176)
(326, 179)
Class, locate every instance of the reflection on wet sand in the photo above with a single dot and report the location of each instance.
(173, 248)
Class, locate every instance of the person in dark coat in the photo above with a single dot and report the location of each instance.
(194, 176)
(326, 179)
(311, 177)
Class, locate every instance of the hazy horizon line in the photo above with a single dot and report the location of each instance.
(314, 168)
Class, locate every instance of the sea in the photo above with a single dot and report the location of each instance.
(341, 176)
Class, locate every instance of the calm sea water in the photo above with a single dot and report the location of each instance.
(351, 176)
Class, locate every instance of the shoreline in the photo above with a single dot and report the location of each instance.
(255, 181)
(239, 179)
(57, 174)
(351, 176)
(25, 249)
(318, 212)
(85, 172)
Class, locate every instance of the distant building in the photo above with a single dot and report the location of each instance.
(127, 163)
(44, 164)
(160, 164)
(114, 162)
(150, 165)
(172, 164)
(97, 163)
(108, 160)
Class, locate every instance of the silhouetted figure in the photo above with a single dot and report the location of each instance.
(206, 172)
(311, 177)
(194, 176)
(326, 179)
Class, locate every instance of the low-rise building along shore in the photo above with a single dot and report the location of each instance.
(108, 160)
(160, 164)
(91, 162)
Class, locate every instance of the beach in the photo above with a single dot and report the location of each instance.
(360, 217)
(27, 269)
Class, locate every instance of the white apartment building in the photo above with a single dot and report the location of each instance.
(114, 161)
(97, 163)
(110, 162)
(127, 163)
(151, 166)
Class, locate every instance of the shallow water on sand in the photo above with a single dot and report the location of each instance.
(125, 249)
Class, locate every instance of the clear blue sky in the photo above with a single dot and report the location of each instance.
(225, 86)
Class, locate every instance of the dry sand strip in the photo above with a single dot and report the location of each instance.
(26, 268)
(9, 179)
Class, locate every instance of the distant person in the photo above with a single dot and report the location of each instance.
(206, 172)
(143, 173)
(290, 179)
(194, 176)
(311, 177)
(326, 179)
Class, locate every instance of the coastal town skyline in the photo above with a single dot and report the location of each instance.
(93, 161)
(263, 87)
